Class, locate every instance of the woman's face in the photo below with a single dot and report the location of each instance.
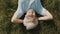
(31, 13)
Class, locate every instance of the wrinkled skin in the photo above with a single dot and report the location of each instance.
(31, 16)
(30, 20)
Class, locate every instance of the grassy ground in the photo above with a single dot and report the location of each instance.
(8, 7)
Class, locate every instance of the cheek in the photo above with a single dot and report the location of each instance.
(33, 14)
(28, 14)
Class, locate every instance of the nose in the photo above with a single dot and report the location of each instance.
(31, 14)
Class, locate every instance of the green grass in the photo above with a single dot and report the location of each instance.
(8, 7)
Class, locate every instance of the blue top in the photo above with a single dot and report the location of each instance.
(30, 4)
(24, 5)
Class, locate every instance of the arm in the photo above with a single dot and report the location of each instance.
(16, 16)
(46, 15)
(15, 19)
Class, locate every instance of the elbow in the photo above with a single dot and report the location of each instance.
(13, 20)
(51, 17)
